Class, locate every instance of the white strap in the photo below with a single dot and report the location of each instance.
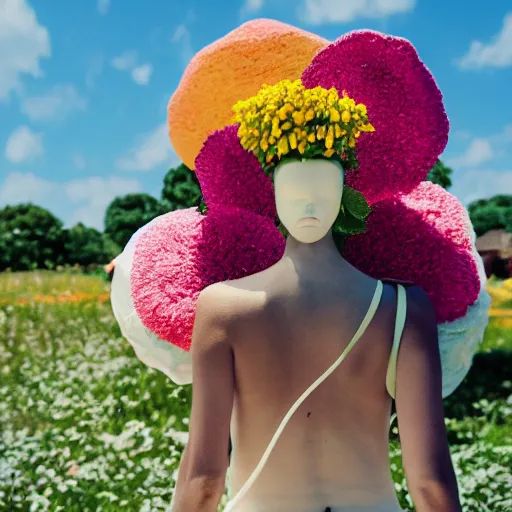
(362, 328)
(401, 314)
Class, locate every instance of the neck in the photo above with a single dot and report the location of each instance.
(323, 252)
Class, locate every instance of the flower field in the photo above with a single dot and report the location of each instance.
(85, 427)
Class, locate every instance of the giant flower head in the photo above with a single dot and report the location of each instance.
(416, 232)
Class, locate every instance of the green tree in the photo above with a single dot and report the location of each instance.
(440, 175)
(126, 214)
(181, 189)
(87, 246)
(487, 218)
(492, 213)
(30, 237)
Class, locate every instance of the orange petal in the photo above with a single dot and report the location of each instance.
(234, 68)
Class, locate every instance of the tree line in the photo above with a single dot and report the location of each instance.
(31, 237)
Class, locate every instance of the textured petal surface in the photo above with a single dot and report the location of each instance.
(152, 351)
(426, 238)
(231, 176)
(186, 252)
(404, 104)
(234, 68)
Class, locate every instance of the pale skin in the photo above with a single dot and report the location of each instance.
(259, 341)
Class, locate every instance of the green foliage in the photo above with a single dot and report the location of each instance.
(126, 214)
(440, 175)
(30, 237)
(487, 218)
(87, 246)
(493, 213)
(181, 189)
(353, 213)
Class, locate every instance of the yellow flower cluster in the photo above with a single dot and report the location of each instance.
(288, 118)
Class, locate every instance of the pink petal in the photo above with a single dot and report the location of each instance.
(425, 238)
(404, 105)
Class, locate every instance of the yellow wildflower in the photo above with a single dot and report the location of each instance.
(329, 152)
(292, 138)
(345, 116)
(311, 137)
(320, 132)
(335, 115)
(298, 117)
(329, 139)
(286, 126)
(302, 147)
(338, 131)
(282, 146)
(351, 142)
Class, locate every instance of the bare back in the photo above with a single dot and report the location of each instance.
(334, 451)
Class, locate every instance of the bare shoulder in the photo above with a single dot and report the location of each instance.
(226, 302)
(421, 325)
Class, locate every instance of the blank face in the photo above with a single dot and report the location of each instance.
(308, 197)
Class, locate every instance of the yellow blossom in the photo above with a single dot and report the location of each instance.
(320, 132)
(286, 126)
(338, 131)
(329, 139)
(335, 115)
(282, 146)
(302, 147)
(351, 142)
(298, 117)
(311, 137)
(345, 116)
(329, 152)
(292, 138)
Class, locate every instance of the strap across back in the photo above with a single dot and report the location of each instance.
(401, 313)
(362, 328)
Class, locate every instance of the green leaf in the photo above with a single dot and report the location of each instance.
(347, 224)
(355, 203)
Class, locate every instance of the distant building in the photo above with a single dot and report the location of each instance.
(495, 248)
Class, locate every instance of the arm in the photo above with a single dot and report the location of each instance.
(425, 451)
(202, 472)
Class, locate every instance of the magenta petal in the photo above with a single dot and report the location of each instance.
(231, 176)
(426, 238)
(404, 104)
(186, 252)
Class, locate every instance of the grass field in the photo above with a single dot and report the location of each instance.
(85, 427)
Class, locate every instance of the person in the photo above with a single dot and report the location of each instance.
(298, 344)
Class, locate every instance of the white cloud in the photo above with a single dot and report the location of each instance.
(181, 35)
(83, 200)
(23, 43)
(142, 74)
(57, 103)
(318, 12)
(79, 161)
(23, 145)
(470, 185)
(152, 149)
(125, 61)
(128, 62)
(103, 6)
(251, 7)
(94, 70)
(25, 188)
(478, 152)
(93, 195)
(497, 53)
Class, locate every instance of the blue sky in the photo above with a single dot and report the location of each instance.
(84, 86)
